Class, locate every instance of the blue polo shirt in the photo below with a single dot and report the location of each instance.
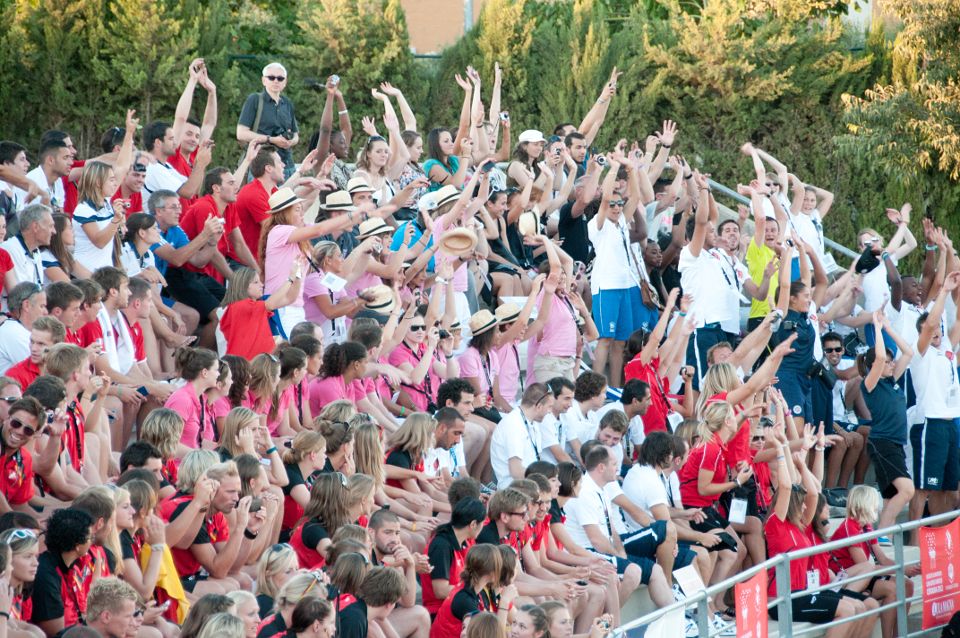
(173, 236)
(888, 410)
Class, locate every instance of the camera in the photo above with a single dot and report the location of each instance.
(788, 325)
(504, 117)
(601, 160)
(335, 79)
(488, 166)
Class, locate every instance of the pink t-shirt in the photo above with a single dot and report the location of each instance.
(460, 274)
(531, 357)
(185, 402)
(508, 358)
(420, 392)
(559, 335)
(364, 281)
(328, 390)
(334, 330)
(485, 370)
(221, 408)
(279, 260)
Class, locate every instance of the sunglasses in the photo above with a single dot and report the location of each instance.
(22, 534)
(275, 78)
(16, 424)
(757, 439)
(419, 328)
(138, 613)
(617, 202)
(830, 350)
(9, 399)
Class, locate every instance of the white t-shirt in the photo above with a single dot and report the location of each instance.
(645, 488)
(134, 265)
(617, 518)
(438, 459)
(14, 344)
(27, 266)
(635, 433)
(840, 412)
(163, 176)
(736, 272)
(84, 250)
(56, 193)
(703, 277)
(515, 436)
(875, 288)
(612, 269)
(17, 195)
(592, 507)
(554, 431)
(810, 229)
(581, 427)
(935, 382)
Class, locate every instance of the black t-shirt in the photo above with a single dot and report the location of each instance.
(224, 454)
(266, 605)
(464, 602)
(573, 232)
(556, 512)
(440, 552)
(313, 533)
(489, 534)
(47, 595)
(353, 621)
(276, 627)
(400, 458)
(295, 478)
(127, 546)
(327, 467)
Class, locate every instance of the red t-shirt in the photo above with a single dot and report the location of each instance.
(712, 456)
(24, 373)
(72, 441)
(253, 202)
(136, 333)
(135, 200)
(246, 328)
(6, 265)
(655, 419)
(842, 559)
(783, 536)
(16, 480)
(71, 196)
(214, 530)
(88, 333)
(738, 447)
(183, 165)
(192, 222)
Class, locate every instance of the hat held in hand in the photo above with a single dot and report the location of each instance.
(867, 262)
(458, 242)
(379, 298)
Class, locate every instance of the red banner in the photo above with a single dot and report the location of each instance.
(940, 570)
(751, 597)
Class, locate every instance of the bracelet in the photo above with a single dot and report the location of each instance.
(682, 314)
(272, 450)
(781, 457)
(403, 410)
(884, 255)
(441, 281)
(931, 246)
(665, 146)
(413, 526)
(250, 535)
(602, 100)
(343, 112)
(690, 176)
(820, 448)
(158, 547)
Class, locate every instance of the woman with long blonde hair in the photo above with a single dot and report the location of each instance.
(327, 511)
(404, 463)
(361, 490)
(277, 565)
(24, 547)
(262, 389)
(96, 222)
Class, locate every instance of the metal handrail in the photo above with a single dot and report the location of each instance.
(781, 563)
(829, 243)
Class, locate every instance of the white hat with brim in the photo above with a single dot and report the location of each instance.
(481, 321)
(359, 185)
(531, 135)
(373, 226)
(282, 199)
(446, 194)
(381, 297)
(338, 201)
(507, 312)
(458, 242)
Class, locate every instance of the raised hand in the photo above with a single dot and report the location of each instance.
(389, 89)
(667, 133)
(464, 84)
(369, 125)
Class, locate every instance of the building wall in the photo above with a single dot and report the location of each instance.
(435, 24)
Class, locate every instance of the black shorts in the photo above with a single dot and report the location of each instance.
(645, 542)
(714, 520)
(201, 292)
(816, 608)
(190, 582)
(935, 455)
(889, 462)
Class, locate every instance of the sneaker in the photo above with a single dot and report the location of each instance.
(720, 627)
(678, 595)
(692, 630)
(885, 540)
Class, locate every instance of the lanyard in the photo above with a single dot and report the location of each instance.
(724, 270)
(33, 256)
(526, 424)
(516, 353)
(666, 486)
(203, 417)
(606, 514)
(455, 472)
(485, 364)
(141, 258)
(631, 258)
(426, 386)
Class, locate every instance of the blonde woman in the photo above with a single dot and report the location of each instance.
(96, 223)
(404, 463)
(262, 389)
(163, 428)
(302, 462)
(24, 547)
(330, 309)
(302, 586)
(361, 490)
(223, 625)
(247, 609)
(277, 565)
(244, 434)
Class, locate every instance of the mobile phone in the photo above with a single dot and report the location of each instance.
(582, 583)
(143, 390)
(504, 116)
(488, 166)
(335, 79)
(556, 151)
(255, 504)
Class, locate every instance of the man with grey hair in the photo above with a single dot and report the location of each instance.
(268, 117)
(27, 302)
(36, 230)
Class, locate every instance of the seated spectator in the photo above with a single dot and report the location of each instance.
(65, 572)
(379, 594)
(482, 567)
(326, 512)
(516, 440)
(24, 420)
(46, 332)
(26, 303)
(111, 605)
(277, 565)
(24, 249)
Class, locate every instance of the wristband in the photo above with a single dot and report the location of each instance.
(5, 615)
(682, 314)
(403, 410)
(690, 176)
(884, 255)
(737, 481)
(931, 246)
(272, 450)
(248, 534)
(820, 448)
(781, 457)
(441, 281)
(343, 112)
(158, 547)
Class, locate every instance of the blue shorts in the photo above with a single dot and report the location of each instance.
(685, 555)
(168, 302)
(645, 564)
(619, 312)
(935, 455)
(644, 543)
(798, 392)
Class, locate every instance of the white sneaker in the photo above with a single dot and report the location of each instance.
(678, 595)
(692, 630)
(720, 627)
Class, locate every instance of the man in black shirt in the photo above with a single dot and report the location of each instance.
(575, 214)
(408, 619)
(381, 590)
(447, 551)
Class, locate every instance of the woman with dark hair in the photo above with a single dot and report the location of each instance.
(313, 618)
(293, 370)
(480, 366)
(483, 567)
(343, 363)
(200, 368)
(239, 379)
(136, 256)
(524, 165)
(58, 261)
(445, 167)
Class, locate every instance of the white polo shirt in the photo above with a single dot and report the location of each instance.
(27, 266)
(612, 269)
(581, 427)
(554, 431)
(14, 344)
(56, 192)
(516, 436)
(592, 507)
(703, 277)
(84, 250)
(163, 176)
(936, 382)
(645, 488)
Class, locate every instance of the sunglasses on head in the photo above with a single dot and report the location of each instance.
(831, 350)
(275, 78)
(16, 424)
(22, 534)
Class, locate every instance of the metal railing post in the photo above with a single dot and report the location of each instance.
(901, 583)
(703, 616)
(785, 606)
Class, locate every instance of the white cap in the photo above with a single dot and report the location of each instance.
(531, 135)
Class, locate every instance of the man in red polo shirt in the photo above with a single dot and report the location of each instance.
(253, 200)
(219, 197)
(16, 473)
(131, 186)
(46, 332)
(187, 132)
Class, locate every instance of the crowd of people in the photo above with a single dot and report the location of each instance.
(455, 383)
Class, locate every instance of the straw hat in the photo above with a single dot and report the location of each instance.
(481, 321)
(446, 194)
(381, 297)
(281, 199)
(427, 203)
(458, 242)
(339, 201)
(529, 223)
(507, 312)
(373, 226)
(359, 185)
